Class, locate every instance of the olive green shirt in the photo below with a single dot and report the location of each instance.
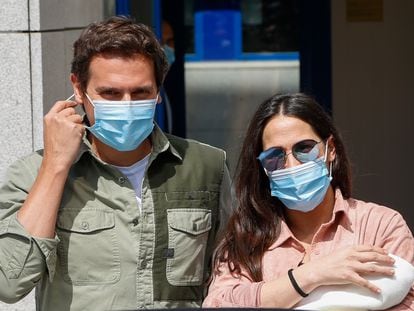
(107, 254)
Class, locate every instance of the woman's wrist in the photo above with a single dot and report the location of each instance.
(306, 278)
(295, 284)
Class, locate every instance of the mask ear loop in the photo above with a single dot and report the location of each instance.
(326, 152)
(90, 100)
(70, 97)
(86, 117)
(326, 157)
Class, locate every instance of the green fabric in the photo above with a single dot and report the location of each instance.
(107, 255)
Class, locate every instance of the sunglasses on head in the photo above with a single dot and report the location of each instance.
(304, 151)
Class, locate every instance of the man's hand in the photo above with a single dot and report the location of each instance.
(62, 134)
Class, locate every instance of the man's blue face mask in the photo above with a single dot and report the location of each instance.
(170, 53)
(123, 125)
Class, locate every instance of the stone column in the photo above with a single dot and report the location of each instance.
(36, 38)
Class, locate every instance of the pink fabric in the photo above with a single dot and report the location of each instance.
(353, 222)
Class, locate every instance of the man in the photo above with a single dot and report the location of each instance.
(168, 42)
(113, 214)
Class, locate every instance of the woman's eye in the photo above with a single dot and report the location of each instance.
(305, 149)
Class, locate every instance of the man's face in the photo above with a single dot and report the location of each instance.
(116, 78)
(167, 35)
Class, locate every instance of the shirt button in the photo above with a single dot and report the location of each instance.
(85, 225)
(121, 180)
(13, 275)
(143, 264)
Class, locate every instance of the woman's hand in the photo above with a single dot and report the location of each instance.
(348, 266)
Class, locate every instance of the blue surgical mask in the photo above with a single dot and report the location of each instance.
(301, 187)
(123, 125)
(170, 53)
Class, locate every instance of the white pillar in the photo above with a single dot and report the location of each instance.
(36, 38)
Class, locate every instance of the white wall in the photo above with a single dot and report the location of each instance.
(36, 39)
(15, 86)
(373, 66)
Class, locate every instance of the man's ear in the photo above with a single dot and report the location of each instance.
(76, 88)
(159, 98)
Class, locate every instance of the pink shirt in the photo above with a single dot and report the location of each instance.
(353, 222)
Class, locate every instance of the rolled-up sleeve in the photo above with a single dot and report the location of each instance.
(24, 259)
(227, 291)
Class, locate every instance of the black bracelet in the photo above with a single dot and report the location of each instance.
(295, 284)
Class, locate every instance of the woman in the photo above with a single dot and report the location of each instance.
(296, 227)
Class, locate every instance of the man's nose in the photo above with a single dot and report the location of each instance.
(127, 96)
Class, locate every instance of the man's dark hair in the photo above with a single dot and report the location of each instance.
(117, 36)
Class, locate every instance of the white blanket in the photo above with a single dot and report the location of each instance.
(352, 297)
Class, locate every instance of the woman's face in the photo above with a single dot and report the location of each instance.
(284, 132)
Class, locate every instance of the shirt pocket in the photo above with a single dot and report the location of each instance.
(188, 231)
(88, 251)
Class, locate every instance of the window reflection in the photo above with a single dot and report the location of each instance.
(267, 26)
(270, 26)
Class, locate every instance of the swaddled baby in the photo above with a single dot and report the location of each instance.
(353, 297)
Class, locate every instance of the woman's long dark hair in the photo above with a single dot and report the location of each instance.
(255, 223)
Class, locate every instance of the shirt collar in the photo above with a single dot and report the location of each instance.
(85, 147)
(161, 143)
(341, 209)
(284, 235)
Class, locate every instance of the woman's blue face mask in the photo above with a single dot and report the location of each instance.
(302, 187)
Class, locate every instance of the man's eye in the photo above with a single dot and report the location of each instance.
(110, 93)
(141, 95)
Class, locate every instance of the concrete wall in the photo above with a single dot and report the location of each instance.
(36, 39)
(36, 46)
(373, 105)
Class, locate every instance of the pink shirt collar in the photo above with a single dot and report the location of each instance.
(341, 209)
